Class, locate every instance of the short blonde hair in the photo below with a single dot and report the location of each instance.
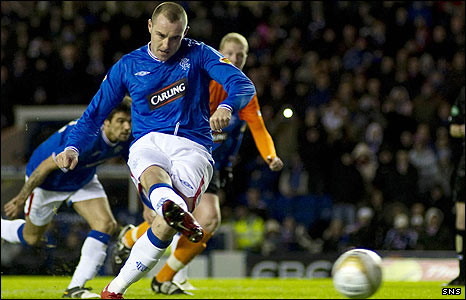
(234, 37)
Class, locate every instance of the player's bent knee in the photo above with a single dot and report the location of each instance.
(109, 227)
(210, 221)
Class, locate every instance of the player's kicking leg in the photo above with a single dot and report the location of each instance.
(145, 254)
(183, 251)
(208, 214)
(172, 215)
(159, 164)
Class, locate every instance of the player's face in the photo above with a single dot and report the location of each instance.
(119, 128)
(235, 52)
(166, 37)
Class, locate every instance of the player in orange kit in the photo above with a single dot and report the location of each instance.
(226, 145)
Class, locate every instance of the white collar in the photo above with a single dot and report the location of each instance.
(151, 54)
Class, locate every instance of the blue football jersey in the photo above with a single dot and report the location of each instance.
(98, 150)
(170, 97)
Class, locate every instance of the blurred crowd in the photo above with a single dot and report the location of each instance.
(368, 155)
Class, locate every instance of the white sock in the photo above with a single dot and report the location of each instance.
(143, 257)
(174, 243)
(10, 230)
(93, 253)
(160, 192)
(182, 274)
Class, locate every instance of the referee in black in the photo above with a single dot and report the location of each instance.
(457, 131)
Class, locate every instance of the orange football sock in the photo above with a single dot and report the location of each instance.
(185, 252)
(132, 235)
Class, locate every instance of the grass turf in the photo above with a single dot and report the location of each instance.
(52, 287)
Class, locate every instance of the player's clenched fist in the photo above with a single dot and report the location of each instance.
(220, 119)
(275, 163)
(67, 159)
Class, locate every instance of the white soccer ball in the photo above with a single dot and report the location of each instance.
(357, 273)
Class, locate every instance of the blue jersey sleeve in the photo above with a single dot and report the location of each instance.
(110, 94)
(238, 86)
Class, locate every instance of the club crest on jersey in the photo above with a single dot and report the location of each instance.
(184, 63)
(225, 60)
(168, 94)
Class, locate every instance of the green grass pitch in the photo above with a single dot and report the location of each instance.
(52, 287)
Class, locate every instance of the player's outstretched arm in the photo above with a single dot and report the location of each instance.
(264, 142)
(67, 159)
(14, 207)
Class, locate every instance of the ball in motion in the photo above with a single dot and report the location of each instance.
(357, 273)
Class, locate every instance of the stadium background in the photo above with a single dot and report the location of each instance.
(368, 158)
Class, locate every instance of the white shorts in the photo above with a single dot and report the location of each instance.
(189, 164)
(42, 204)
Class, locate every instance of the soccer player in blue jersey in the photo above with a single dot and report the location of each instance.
(170, 159)
(47, 187)
(172, 278)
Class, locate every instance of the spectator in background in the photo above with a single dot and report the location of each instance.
(288, 238)
(294, 179)
(347, 189)
(70, 73)
(406, 140)
(374, 137)
(437, 198)
(256, 204)
(416, 219)
(319, 92)
(436, 235)
(334, 116)
(334, 239)
(248, 229)
(397, 110)
(312, 148)
(424, 159)
(397, 181)
(401, 236)
(425, 104)
(363, 232)
(271, 240)
(365, 162)
(380, 218)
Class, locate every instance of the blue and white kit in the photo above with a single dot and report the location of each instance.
(96, 151)
(80, 184)
(170, 97)
(170, 103)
